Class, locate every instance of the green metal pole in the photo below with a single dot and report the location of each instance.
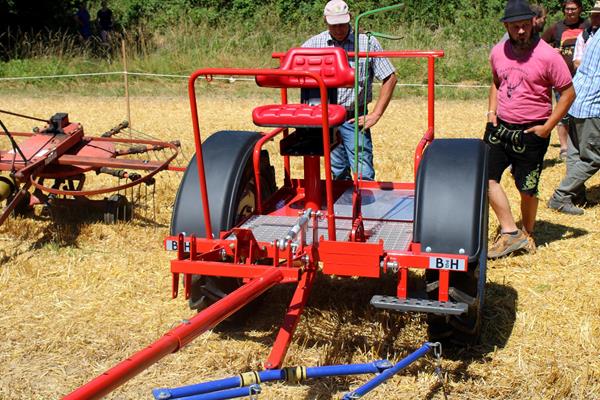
(356, 69)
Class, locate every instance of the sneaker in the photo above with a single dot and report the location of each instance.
(566, 207)
(507, 243)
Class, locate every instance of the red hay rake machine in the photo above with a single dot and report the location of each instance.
(61, 153)
(236, 235)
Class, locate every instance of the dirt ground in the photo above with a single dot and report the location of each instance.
(79, 297)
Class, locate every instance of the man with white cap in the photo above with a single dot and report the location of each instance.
(340, 34)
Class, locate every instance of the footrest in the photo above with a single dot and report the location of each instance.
(419, 305)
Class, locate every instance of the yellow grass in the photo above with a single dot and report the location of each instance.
(78, 299)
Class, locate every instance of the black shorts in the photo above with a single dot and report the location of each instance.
(510, 146)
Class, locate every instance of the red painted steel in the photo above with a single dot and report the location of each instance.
(291, 319)
(444, 284)
(176, 338)
(351, 258)
(71, 154)
(312, 180)
(297, 115)
(402, 288)
(256, 163)
(330, 63)
(213, 268)
(208, 73)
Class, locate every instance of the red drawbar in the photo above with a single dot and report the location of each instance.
(297, 115)
(330, 63)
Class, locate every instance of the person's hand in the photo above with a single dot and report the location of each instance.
(367, 121)
(539, 130)
(492, 118)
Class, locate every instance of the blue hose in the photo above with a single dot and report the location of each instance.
(293, 374)
(388, 373)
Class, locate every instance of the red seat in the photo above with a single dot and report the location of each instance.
(297, 115)
(330, 63)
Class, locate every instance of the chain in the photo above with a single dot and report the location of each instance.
(437, 352)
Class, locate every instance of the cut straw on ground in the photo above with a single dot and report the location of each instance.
(79, 298)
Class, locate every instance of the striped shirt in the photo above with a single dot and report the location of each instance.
(587, 82)
(379, 68)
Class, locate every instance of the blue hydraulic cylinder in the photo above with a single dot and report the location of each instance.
(388, 373)
(248, 391)
(292, 374)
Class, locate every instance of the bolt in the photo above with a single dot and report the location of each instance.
(232, 246)
(461, 251)
(428, 249)
(164, 395)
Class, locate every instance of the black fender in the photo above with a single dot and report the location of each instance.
(451, 203)
(226, 154)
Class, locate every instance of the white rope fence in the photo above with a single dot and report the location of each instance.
(230, 79)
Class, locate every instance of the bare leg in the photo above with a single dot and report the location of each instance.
(501, 207)
(529, 205)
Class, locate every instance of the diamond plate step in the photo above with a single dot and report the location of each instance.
(419, 305)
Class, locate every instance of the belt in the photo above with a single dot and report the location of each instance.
(521, 127)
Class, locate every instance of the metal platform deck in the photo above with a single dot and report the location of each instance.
(395, 205)
(396, 235)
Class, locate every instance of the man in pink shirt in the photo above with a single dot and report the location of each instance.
(520, 120)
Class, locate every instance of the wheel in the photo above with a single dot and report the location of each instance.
(118, 208)
(451, 216)
(207, 290)
(232, 197)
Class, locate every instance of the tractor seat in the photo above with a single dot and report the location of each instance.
(331, 64)
(298, 115)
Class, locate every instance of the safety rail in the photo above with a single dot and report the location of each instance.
(208, 73)
(430, 55)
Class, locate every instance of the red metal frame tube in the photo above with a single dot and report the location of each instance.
(430, 133)
(327, 163)
(390, 54)
(292, 317)
(430, 93)
(199, 158)
(214, 268)
(208, 74)
(312, 183)
(176, 338)
(256, 161)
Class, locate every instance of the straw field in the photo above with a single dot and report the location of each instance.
(79, 297)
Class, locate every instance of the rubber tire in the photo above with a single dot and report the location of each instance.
(463, 329)
(229, 172)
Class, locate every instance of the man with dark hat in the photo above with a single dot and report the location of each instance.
(520, 120)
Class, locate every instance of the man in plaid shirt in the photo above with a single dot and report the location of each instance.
(340, 34)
